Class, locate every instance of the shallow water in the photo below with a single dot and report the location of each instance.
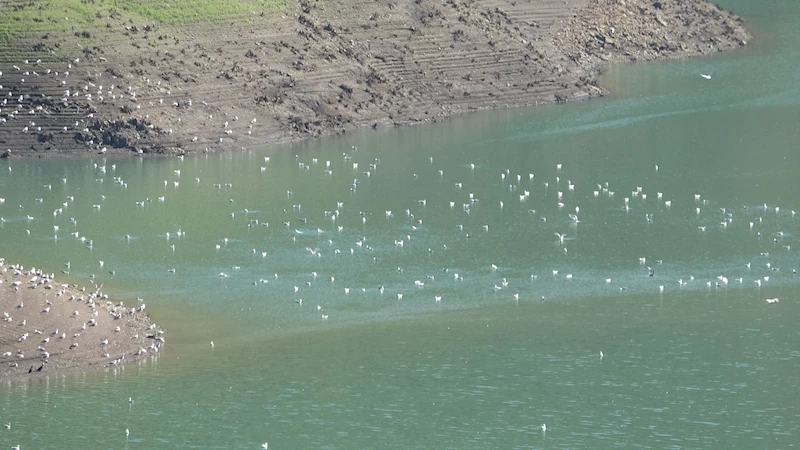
(703, 364)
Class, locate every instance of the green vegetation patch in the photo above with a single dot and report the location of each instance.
(179, 12)
(22, 17)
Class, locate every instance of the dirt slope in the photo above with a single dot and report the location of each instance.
(317, 70)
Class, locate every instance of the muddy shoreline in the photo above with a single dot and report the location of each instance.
(313, 71)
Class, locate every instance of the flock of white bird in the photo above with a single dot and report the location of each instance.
(21, 108)
(324, 237)
(81, 303)
(349, 229)
(72, 102)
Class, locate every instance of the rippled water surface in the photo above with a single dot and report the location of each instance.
(427, 288)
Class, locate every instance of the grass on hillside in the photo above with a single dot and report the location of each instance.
(22, 17)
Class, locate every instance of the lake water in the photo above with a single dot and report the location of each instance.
(506, 302)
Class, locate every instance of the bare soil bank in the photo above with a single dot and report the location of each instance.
(317, 70)
(49, 327)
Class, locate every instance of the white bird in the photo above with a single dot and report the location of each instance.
(212, 344)
(706, 76)
(265, 445)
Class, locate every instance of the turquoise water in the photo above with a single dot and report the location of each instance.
(510, 345)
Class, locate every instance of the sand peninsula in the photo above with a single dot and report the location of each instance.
(158, 77)
(51, 328)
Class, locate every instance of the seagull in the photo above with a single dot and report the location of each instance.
(706, 76)
(265, 445)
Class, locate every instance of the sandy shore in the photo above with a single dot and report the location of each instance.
(327, 68)
(49, 327)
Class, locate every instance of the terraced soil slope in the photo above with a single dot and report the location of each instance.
(317, 68)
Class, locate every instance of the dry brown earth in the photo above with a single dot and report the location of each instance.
(60, 327)
(318, 70)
